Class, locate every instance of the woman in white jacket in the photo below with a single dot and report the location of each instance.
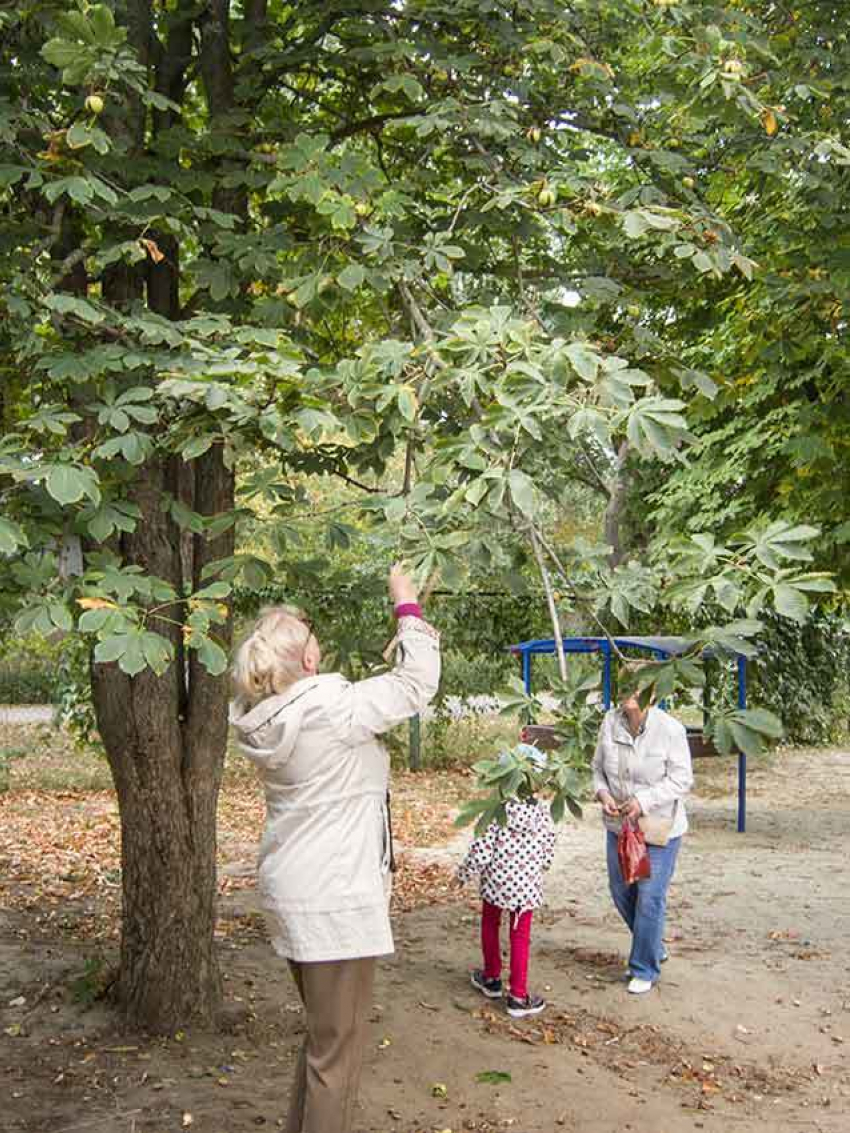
(642, 769)
(325, 857)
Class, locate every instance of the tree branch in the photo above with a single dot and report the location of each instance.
(370, 125)
(216, 64)
(550, 599)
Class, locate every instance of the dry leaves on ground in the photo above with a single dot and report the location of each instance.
(60, 851)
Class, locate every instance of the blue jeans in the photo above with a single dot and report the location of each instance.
(643, 905)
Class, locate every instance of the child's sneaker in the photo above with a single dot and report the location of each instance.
(529, 1005)
(491, 988)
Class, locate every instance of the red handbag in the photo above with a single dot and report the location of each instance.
(632, 853)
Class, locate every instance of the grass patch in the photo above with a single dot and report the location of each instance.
(40, 757)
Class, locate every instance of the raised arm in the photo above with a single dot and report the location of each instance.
(377, 704)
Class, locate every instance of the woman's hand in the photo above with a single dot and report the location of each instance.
(402, 587)
(631, 809)
(609, 807)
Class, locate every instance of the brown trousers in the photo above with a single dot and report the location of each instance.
(337, 998)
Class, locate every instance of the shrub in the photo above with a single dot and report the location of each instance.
(28, 669)
(802, 675)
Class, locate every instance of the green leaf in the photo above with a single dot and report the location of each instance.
(67, 483)
(103, 25)
(214, 592)
(93, 621)
(493, 1077)
(763, 721)
(790, 602)
(157, 652)
(197, 447)
(133, 660)
(60, 615)
(79, 136)
(70, 305)
(351, 277)
(11, 536)
(522, 492)
(407, 403)
(212, 657)
(584, 361)
(62, 54)
(110, 649)
(574, 807)
(184, 517)
(471, 810)
(703, 262)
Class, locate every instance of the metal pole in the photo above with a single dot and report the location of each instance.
(606, 677)
(659, 656)
(742, 756)
(526, 671)
(415, 743)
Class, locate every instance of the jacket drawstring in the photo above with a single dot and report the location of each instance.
(388, 865)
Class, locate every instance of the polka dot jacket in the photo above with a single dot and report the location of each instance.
(511, 860)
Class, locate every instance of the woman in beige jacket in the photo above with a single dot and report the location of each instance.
(325, 857)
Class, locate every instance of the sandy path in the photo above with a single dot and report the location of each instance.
(748, 1033)
(758, 928)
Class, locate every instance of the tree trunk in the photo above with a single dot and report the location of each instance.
(165, 739)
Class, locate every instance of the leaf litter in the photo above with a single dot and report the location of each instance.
(60, 852)
(624, 1049)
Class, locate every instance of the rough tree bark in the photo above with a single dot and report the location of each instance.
(165, 739)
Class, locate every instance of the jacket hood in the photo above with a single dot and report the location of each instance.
(527, 817)
(268, 732)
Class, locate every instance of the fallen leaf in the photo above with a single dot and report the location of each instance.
(439, 1090)
(493, 1077)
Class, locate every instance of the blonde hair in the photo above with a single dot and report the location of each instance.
(272, 655)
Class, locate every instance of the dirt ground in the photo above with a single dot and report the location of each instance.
(749, 1031)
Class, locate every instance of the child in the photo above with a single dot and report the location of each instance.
(510, 861)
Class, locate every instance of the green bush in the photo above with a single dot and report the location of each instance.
(802, 675)
(28, 669)
(74, 706)
(802, 672)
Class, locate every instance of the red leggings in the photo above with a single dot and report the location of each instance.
(520, 932)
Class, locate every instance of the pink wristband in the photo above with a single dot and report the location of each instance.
(408, 610)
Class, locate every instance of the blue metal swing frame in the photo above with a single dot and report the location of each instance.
(661, 649)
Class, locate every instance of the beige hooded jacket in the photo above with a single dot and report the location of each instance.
(324, 857)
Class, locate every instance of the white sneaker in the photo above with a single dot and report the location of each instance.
(639, 987)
